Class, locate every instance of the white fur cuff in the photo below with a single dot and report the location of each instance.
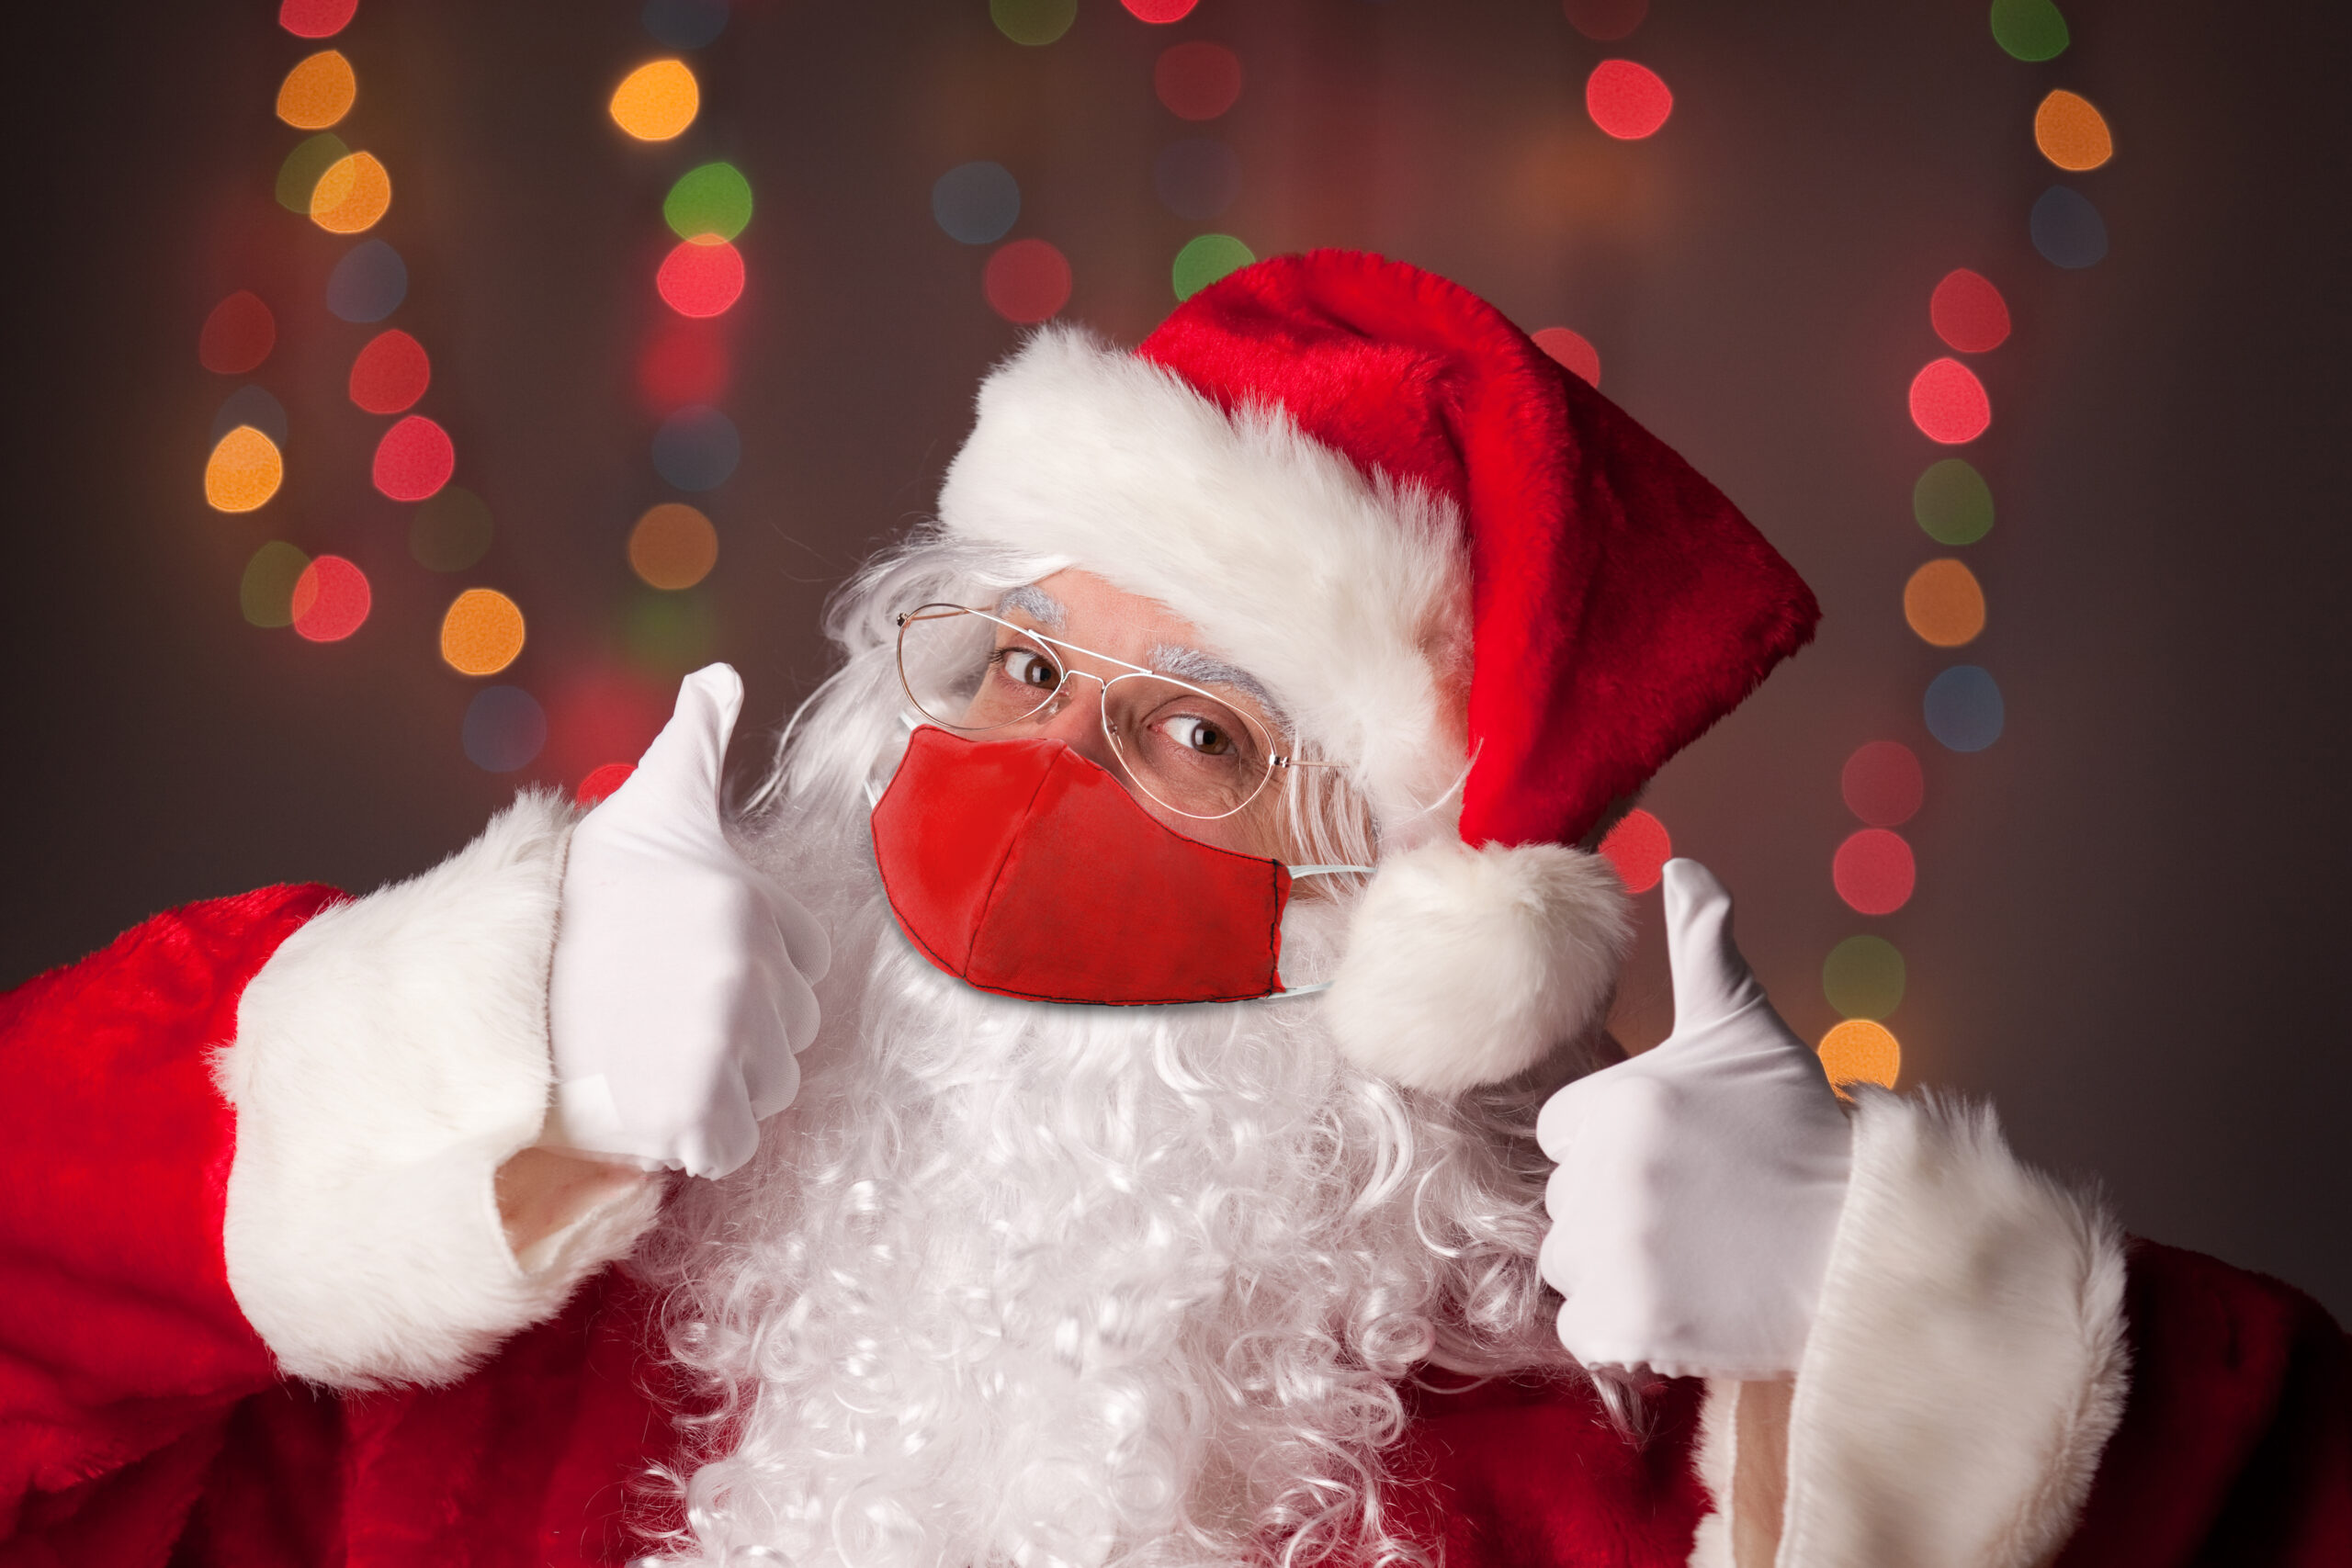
(1969, 1362)
(389, 1057)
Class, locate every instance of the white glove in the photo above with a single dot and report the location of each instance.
(681, 988)
(1699, 1183)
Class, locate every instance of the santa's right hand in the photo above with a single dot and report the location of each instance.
(681, 989)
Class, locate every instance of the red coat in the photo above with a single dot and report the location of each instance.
(144, 1420)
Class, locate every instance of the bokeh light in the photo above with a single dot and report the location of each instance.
(1873, 872)
(1160, 11)
(685, 24)
(368, 284)
(451, 531)
(976, 203)
(266, 592)
(482, 632)
(1626, 100)
(670, 634)
(1572, 349)
(602, 782)
(255, 406)
(318, 91)
(1949, 404)
(1196, 178)
(243, 471)
(414, 459)
(1952, 502)
(1964, 708)
(2030, 29)
(352, 195)
(2070, 132)
(1026, 281)
(1944, 603)
(697, 448)
(1968, 312)
(1862, 978)
(2067, 229)
(1197, 80)
(1605, 21)
(1032, 22)
(504, 729)
(686, 361)
(713, 202)
(603, 714)
(297, 176)
(701, 280)
(315, 19)
(673, 545)
(1861, 1051)
(1883, 783)
(657, 101)
(1204, 260)
(330, 601)
(390, 373)
(237, 335)
(1639, 848)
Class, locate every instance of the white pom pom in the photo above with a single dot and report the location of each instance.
(1465, 966)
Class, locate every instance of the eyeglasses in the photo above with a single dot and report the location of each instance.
(1197, 749)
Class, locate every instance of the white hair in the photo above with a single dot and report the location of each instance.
(1039, 1284)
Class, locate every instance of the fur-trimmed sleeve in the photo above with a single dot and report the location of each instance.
(389, 1057)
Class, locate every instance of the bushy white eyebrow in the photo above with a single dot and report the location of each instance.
(1209, 670)
(1037, 604)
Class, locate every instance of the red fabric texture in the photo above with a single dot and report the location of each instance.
(1620, 603)
(1025, 869)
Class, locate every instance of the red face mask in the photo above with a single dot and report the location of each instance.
(1022, 868)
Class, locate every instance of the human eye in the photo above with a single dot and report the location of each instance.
(1026, 666)
(1203, 737)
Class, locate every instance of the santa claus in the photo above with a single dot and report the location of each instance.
(1132, 1088)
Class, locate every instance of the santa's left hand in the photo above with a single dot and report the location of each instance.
(1699, 1183)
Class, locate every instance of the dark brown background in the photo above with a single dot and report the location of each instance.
(2129, 924)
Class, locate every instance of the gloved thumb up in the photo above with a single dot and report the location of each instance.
(683, 976)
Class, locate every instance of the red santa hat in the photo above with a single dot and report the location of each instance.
(1462, 571)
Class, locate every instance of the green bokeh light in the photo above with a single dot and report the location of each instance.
(714, 199)
(1952, 502)
(2030, 29)
(298, 175)
(451, 531)
(1032, 22)
(266, 593)
(1204, 260)
(670, 634)
(1862, 978)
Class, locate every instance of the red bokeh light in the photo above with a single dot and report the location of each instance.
(414, 459)
(1883, 783)
(602, 782)
(1604, 20)
(1026, 281)
(315, 19)
(1949, 404)
(331, 600)
(1626, 100)
(1873, 872)
(685, 362)
(1572, 349)
(390, 373)
(1639, 848)
(1197, 81)
(1968, 312)
(238, 334)
(602, 713)
(1160, 10)
(701, 279)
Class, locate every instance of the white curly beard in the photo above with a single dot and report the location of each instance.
(1039, 1284)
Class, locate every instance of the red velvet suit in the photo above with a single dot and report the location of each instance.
(142, 1421)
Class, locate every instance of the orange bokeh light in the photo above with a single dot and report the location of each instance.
(657, 101)
(2070, 132)
(673, 545)
(482, 632)
(355, 192)
(1944, 603)
(244, 471)
(1861, 1051)
(318, 91)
